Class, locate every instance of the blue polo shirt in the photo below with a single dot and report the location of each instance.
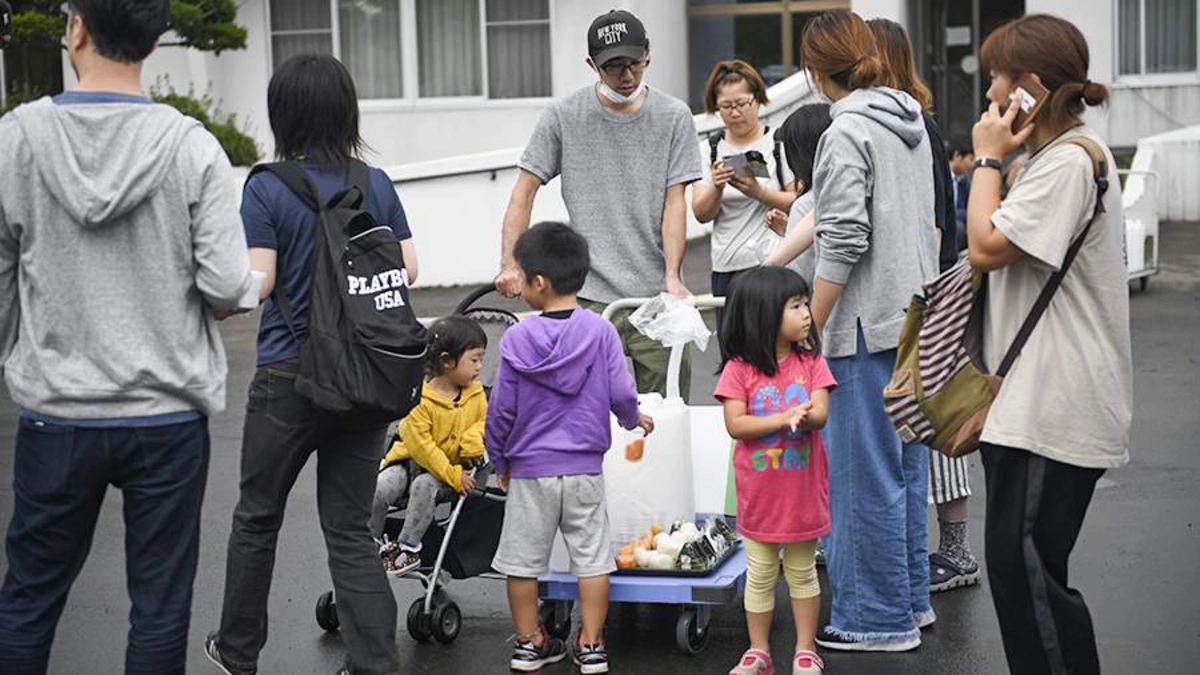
(275, 218)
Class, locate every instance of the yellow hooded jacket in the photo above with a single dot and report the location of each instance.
(440, 433)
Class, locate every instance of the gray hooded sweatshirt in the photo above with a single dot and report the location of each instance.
(119, 231)
(875, 228)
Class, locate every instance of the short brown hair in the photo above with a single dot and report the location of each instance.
(1054, 50)
(729, 72)
(839, 46)
(899, 68)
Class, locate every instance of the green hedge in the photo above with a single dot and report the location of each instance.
(239, 146)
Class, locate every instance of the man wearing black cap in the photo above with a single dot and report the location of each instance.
(625, 153)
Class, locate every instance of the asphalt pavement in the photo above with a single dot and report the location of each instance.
(1136, 560)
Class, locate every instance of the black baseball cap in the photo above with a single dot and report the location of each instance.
(616, 34)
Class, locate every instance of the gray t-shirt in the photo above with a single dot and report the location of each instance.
(615, 173)
(1069, 395)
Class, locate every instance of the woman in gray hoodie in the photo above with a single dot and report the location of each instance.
(876, 245)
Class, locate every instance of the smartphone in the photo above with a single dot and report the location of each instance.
(1032, 97)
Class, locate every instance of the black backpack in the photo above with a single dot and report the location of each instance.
(776, 151)
(365, 351)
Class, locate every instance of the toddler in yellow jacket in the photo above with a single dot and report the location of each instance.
(443, 436)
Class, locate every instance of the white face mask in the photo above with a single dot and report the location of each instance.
(618, 98)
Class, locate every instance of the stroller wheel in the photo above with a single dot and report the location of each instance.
(327, 617)
(420, 624)
(447, 621)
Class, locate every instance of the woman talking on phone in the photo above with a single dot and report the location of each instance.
(736, 92)
(1062, 416)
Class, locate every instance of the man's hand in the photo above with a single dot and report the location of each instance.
(646, 422)
(776, 221)
(508, 282)
(721, 175)
(502, 479)
(468, 482)
(676, 288)
(222, 313)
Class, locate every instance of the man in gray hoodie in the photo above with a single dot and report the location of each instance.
(119, 235)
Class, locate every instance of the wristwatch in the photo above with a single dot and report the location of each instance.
(989, 163)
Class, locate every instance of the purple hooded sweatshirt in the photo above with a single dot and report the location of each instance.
(557, 381)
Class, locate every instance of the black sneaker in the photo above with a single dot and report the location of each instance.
(591, 658)
(829, 639)
(213, 652)
(946, 574)
(528, 657)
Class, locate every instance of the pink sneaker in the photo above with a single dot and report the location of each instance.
(807, 663)
(754, 662)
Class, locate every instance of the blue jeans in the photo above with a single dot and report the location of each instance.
(877, 553)
(60, 475)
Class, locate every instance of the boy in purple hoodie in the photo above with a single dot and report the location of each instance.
(547, 431)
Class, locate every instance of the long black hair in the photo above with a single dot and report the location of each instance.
(800, 133)
(754, 313)
(313, 108)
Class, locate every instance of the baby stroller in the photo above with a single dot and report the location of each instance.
(465, 532)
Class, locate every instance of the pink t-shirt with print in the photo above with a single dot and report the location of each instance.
(782, 479)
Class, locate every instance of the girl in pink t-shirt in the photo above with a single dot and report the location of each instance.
(775, 388)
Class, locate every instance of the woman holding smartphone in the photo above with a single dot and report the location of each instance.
(736, 92)
(1062, 416)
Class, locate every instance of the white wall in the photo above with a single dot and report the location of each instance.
(414, 131)
(896, 10)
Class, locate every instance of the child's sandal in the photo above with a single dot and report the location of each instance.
(806, 662)
(754, 662)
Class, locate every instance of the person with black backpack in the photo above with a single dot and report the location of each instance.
(744, 155)
(340, 355)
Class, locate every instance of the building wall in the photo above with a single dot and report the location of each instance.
(401, 132)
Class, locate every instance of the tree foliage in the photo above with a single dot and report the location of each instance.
(207, 25)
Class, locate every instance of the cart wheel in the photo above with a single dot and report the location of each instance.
(1143, 283)
(327, 617)
(691, 631)
(420, 624)
(447, 621)
(555, 616)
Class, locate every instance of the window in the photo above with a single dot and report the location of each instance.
(518, 44)
(764, 34)
(1157, 36)
(461, 48)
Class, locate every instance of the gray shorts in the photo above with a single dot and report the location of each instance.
(537, 509)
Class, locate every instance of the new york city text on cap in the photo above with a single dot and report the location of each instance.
(616, 34)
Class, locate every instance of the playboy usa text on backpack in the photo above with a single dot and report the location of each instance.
(940, 391)
(365, 351)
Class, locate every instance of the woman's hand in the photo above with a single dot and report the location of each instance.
(721, 175)
(776, 221)
(993, 136)
(749, 186)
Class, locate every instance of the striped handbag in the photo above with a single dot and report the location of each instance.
(940, 391)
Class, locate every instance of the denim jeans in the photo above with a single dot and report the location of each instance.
(60, 476)
(877, 553)
(282, 430)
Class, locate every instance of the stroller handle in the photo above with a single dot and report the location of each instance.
(474, 297)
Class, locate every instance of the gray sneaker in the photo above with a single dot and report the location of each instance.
(946, 574)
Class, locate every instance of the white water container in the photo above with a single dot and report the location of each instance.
(658, 488)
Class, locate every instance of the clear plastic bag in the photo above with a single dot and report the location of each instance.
(672, 321)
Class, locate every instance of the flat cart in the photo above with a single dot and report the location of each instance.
(696, 596)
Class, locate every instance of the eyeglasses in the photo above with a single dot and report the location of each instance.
(618, 68)
(739, 105)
